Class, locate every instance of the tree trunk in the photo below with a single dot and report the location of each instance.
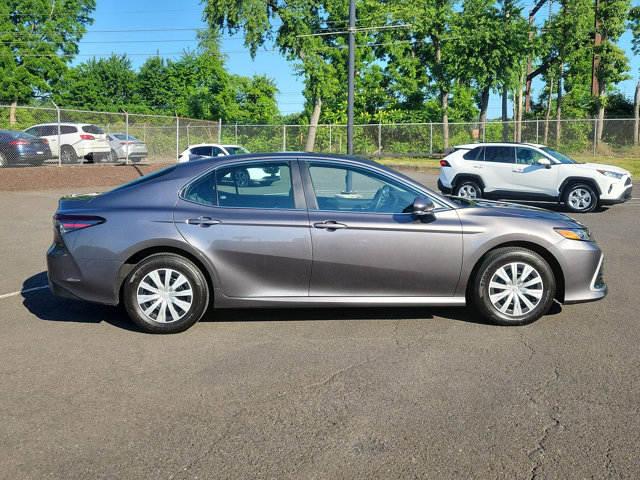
(515, 118)
(313, 125)
(12, 112)
(484, 104)
(636, 113)
(546, 118)
(520, 111)
(505, 116)
(445, 119)
(559, 110)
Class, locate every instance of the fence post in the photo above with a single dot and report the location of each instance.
(236, 134)
(330, 140)
(284, 138)
(537, 129)
(380, 137)
(188, 140)
(430, 138)
(219, 130)
(126, 122)
(595, 136)
(58, 111)
(177, 137)
(484, 130)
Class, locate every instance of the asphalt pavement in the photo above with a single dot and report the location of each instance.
(315, 393)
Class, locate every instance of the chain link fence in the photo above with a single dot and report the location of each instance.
(166, 137)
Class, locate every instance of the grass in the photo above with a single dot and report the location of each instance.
(630, 164)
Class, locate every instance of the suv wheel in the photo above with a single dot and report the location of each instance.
(580, 198)
(468, 189)
(513, 286)
(68, 154)
(3, 160)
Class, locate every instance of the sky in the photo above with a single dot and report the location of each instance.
(143, 28)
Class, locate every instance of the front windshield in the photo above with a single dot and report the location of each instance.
(558, 156)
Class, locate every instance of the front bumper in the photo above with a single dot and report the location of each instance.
(623, 197)
(581, 264)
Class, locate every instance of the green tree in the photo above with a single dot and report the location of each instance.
(37, 40)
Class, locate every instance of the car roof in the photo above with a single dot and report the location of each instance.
(213, 145)
(61, 123)
(499, 144)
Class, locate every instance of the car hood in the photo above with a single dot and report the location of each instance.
(508, 209)
(600, 166)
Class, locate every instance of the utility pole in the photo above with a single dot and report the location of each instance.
(352, 48)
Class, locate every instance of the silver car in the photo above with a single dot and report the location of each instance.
(330, 231)
(123, 145)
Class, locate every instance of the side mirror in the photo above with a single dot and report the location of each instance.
(544, 162)
(422, 206)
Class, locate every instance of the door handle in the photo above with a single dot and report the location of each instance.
(329, 225)
(477, 166)
(203, 221)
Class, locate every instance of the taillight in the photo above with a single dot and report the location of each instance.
(444, 163)
(87, 137)
(69, 223)
(20, 142)
(46, 142)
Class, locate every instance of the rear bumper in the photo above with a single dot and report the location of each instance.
(442, 188)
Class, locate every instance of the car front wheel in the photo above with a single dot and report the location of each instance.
(165, 293)
(468, 189)
(580, 198)
(513, 286)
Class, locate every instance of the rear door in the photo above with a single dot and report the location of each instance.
(366, 243)
(499, 162)
(256, 236)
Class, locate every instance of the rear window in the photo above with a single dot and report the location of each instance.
(11, 135)
(96, 130)
(146, 178)
(473, 154)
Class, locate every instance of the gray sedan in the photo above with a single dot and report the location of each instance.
(329, 231)
(122, 145)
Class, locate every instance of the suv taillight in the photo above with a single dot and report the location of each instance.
(20, 142)
(69, 223)
(444, 163)
(87, 137)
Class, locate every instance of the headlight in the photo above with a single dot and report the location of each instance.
(575, 233)
(607, 173)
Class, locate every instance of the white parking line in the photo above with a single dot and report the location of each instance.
(6, 295)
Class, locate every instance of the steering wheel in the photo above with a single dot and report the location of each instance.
(379, 199)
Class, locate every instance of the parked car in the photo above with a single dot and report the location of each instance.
(19, 148)
(196, 152)
(77, 141)
(334, 231)
(528, 171)
(121, 144)
(242, 177)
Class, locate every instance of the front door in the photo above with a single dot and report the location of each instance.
(367, 243)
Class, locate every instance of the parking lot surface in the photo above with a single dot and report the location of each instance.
(315, 393)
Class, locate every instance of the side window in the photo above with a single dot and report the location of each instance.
(474, 154)
(526, 156)
(499, 154)
(255, 185)
(202, 190)
(67, 129)
(48, 130)
(35, 131)
(215, 151)
(204, 151)
(96, 130)
(346, 188)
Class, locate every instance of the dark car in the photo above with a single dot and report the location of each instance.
(19, 148)
(331, 231)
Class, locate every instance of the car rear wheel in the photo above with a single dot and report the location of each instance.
(468, 189)
(580, 198)
(165, 293)
(113, 156)
(4, 162)
(513, 286)
(68, 154)
(241, 177)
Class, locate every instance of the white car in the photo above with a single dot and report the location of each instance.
(528, 171)
(241, 177)
(77, 141)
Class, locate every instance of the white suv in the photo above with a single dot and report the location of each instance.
(77, 141)
(527, 171)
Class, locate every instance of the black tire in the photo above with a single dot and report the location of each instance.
(68, 155)
(580, 198)
(468, 189)
(113, 156)
(241, 177)
(492, 289)
(4, 161)
(189, 298)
